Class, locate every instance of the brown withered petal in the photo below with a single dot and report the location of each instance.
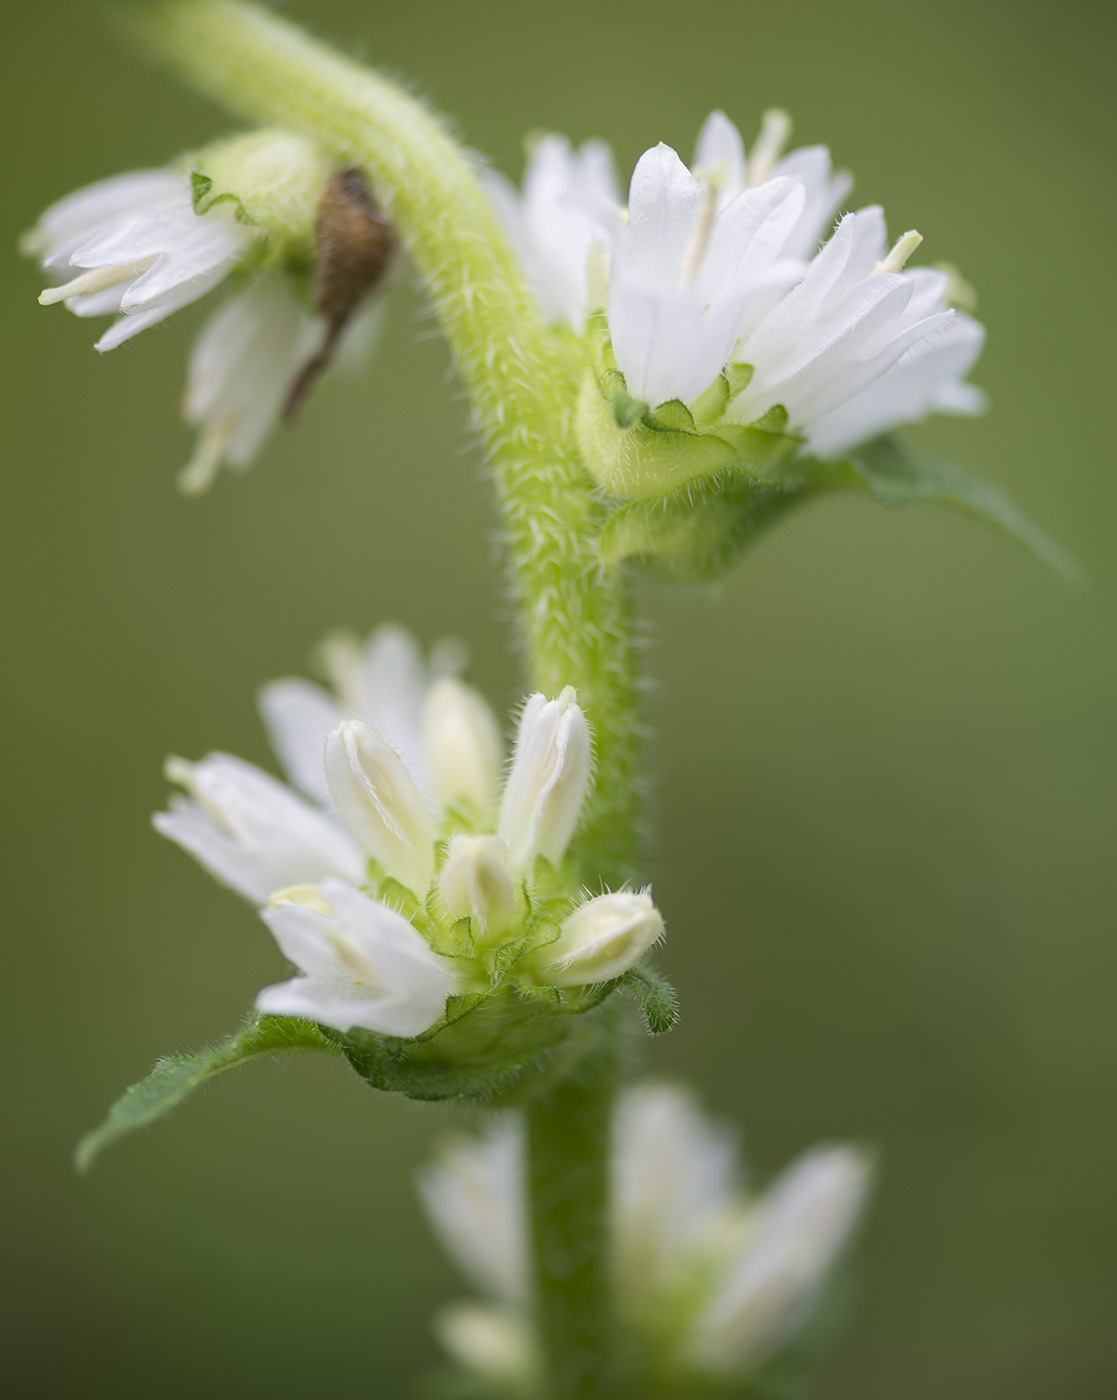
(355, 246)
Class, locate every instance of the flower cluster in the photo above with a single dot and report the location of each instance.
(143, 245)
(715, 1283)
(402, 871)
(714, 273)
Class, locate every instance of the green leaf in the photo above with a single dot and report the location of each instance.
(656, 997)
(177, 1076)
(895, 475)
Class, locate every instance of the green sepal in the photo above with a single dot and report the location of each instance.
(633, 457)
(694, 534)
(712, 403)
(176, 1076)
(656, 996)
(203, 198)
(671, 417)
(274, 178)
(486, 1044)
(894, 475)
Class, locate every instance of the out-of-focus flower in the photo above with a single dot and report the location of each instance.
(724, 1280)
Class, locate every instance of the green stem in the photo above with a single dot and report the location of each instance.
(575, 617)
(568, 1156)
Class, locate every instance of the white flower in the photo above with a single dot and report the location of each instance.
(549, 779)
(363, 964)
(397, 783)
(251, 832)
(860, 344)
(687, 271)
(730, 1278)
(553, 243)
(137, 249)
(240, 372)
(601, 939)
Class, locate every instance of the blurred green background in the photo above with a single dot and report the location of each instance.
(884, 833)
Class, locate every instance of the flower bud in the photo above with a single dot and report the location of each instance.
(462, 744)
(547, 785)
(475, 885)
(379, 802)
(600, 940)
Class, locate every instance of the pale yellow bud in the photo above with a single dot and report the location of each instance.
(475, 885)
(548, 782)
(462, 744)
(380, 804)
(601, 939)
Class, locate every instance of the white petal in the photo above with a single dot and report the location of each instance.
(799, 1228)
(674, 1174)
(474, 1196)
(461, 741)
(379, 802)
(719, 156)
(389, 685)
(298, 716)
(366, 966)
(670, 345)
(253, 833)
(73, 218)
(548, 782)
(664, 201)
(748, 236)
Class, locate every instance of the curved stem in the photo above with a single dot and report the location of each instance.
(575, 617)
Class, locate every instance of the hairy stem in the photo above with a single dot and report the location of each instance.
(575, 619)
(568, 1180)
(575, 622)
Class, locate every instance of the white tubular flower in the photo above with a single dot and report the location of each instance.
(474, 1195)
(685, 272)
(241, 368)
(137, 249)
(601, 939)
(363, 965)
(548, 783)
(379, 802)
(462, 745)
(250, 831)
(795, 1233)
(731, 1279)
(859, 344)
(475, 884)
(553, 243)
